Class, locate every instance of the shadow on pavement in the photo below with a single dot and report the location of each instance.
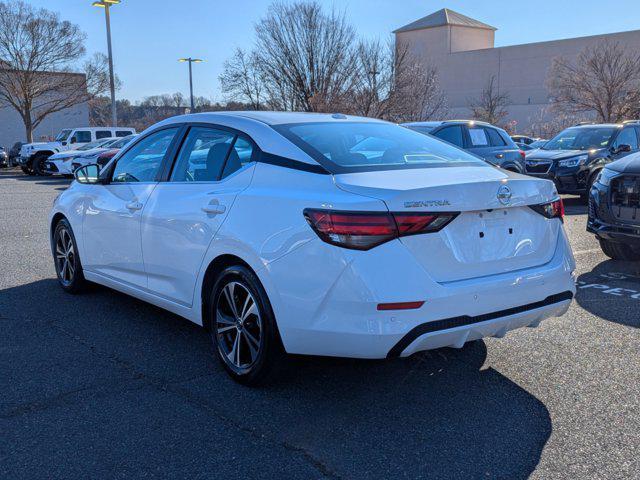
(70, 359)
(612, 291)
(574, 206)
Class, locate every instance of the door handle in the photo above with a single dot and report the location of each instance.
(214, 208)
(499, 155)
(134, 206)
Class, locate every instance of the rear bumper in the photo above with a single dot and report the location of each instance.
(456, 331)
(340, 317)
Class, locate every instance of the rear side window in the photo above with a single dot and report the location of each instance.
(202, 156)
(103, 134)
(479, 137)
(451, 134)
(123, 133)
(239, 156)
(495, 138)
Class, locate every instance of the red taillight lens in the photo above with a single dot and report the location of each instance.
(553, 209)
(522, 154)
(365, 230)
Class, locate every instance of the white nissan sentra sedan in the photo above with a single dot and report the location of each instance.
(315, 234)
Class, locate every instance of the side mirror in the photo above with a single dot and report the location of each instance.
(623, 148)
(89, 174)
(73, 140)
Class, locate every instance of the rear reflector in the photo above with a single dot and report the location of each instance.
(553, 209)
(400, 306)
(365, 230)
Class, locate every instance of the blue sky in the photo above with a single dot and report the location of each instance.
(150, 35)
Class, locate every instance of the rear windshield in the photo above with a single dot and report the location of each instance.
(359, 147)
(581, 138)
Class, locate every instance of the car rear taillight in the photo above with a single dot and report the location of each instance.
(365, 230)
(553, 209)
(522, 154)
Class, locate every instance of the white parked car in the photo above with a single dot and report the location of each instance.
(91, 156)
(33, 156)
(60, 163)
(315, 234)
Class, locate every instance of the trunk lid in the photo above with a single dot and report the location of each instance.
(491, 235)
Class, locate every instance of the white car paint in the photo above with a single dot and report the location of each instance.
(155, 240)
(63, 160)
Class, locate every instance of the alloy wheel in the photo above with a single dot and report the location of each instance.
(238, 327)
(65, 256)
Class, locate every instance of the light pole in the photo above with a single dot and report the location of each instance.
(191, 60)
(106, 4)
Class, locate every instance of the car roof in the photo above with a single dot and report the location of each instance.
(258, 125)
(437, 123)
(596, 125)
(276, 118)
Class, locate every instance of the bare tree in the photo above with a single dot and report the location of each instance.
(604, 79)
(391, 85)
(37, 51)
(491, 105)
(242, 79)
(306, 56)
(97, 83)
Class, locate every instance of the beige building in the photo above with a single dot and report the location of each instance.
(463, 50)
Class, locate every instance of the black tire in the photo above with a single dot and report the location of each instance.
(619, 251)
(66, 259)
(26, 170)
(246, 339)
(39, 164)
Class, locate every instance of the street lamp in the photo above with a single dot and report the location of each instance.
(191, 60)
(106, 4)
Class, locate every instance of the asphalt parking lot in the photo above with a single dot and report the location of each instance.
(104, 386)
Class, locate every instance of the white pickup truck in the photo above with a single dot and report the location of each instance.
(33, 156)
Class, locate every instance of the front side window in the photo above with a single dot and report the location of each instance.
(627, 137)
(202, 155)
(143, 161)
(342, 147)
(452, 135)
(581, 138)
(63, 135)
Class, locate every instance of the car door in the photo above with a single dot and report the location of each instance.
(184, 213)
(111, 225)
(627, 136)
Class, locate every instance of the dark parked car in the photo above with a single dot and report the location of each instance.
(14, 153)
(523, 139)
(485, 140)
(574, 158)
(4, 158)
(614, 209)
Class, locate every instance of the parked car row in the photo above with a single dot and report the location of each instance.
(33, 157)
